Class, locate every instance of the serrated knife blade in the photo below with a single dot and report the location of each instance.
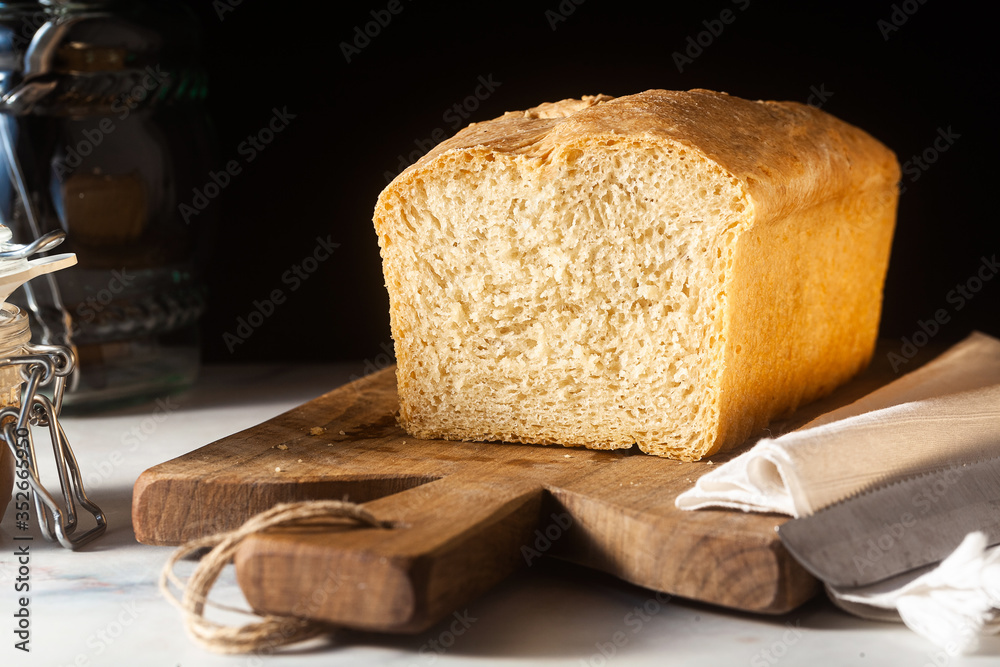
(896, 528)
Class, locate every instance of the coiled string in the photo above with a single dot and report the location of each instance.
(272, 630)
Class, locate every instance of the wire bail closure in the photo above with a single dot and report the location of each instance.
(41, 366)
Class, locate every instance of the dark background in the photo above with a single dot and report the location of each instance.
(321, 175)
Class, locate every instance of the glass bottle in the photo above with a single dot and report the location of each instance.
(104, 134)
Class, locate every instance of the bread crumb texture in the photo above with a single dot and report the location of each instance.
(671, 269)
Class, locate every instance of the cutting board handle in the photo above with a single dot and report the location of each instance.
(453, 539)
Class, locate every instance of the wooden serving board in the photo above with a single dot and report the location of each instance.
(465, 515)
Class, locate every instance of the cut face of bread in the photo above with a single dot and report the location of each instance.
(592, 273)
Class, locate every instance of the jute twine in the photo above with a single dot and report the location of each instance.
(272, 630)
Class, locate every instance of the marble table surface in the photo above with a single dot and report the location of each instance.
(101, 605)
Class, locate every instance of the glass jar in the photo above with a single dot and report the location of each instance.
(14, 335)
(102, 123)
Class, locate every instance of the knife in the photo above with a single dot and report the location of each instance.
(899, 527)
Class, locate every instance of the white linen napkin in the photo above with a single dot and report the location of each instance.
(947, 412)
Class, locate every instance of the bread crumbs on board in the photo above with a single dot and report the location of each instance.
(318, 430)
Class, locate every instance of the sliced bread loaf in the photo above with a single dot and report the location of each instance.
(671, 269)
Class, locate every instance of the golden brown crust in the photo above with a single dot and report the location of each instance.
(787, 154)
(799, 324)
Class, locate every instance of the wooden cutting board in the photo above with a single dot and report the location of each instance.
(465, 515)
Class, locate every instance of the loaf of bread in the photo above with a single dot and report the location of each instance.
(668, 269)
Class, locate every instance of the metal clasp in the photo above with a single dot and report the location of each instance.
(41, 366)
